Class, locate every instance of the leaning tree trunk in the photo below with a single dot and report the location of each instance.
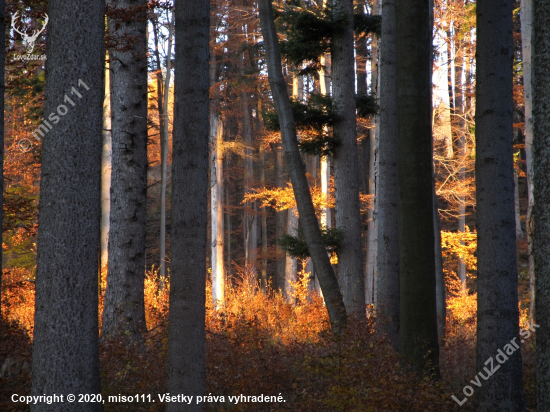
(186, 333)
(348, 218)
(387, 189)
(418, 329)
(541, 209)
(312, 232)
(497, 284)
(124, 313)
(66, 346)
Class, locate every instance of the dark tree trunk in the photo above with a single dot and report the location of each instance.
(2, 89)
(418, 321)
(280, 218)
(497, 277)
(387, 196)
(124, 313)
(190, 163)
(310, 226)
(66, 355)
(541, 207)
(348, 218)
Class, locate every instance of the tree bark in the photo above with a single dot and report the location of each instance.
(418, 328)
(497, 278)
(387, 190)
(291, 265)
(66, 346)
(280, 218)
(124, 313)
(350, 262)
(312, 233)
(2, 90)
(526, 48)
(541, 204)
(186, 332)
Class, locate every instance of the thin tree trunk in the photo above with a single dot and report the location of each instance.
(291, 266)
(526, 44)
(162, 102)
(387, 190)
(418, 330)
(66, 335)
(216, 208)
(460, 129)
(440, 295)
(124, 312)
(280, 218)
(348, 219)
(186, 332)
(517, 210)
(106, 173)
(541, 201)
(229, 227)
(497, 278)
(312, 233)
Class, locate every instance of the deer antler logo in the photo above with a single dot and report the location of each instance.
(30, 40)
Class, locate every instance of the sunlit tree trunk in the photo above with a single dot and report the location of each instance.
(216, 209)
(541, 203)
(312, 233)
(106, 172)
(497, 277)
(418, 339)
(124, 312)
(65, 356)
(387, 190)
(348, 219)
(186, 331)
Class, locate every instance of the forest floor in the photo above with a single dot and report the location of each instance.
(260, 344)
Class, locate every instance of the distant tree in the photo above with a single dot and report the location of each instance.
(497, 277)
(418, 321)
(190, 164)
(310, 225)
(66, 351)
(541, 207)
(124, 312)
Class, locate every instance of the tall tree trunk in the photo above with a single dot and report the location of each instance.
(124, 312)
(373, 177)
(350, 262)
(216, 208)
(526, 42)
(440, 294)
(312, 233)
(541, 203)
(2, 90)
(460, 130)
(66, 347)
(186, 332)
(497, 278)
(163, 92)
(387, 189)
(106, 173)
(418, 329)
(259, 129)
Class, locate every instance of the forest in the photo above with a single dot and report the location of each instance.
(275, 205)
